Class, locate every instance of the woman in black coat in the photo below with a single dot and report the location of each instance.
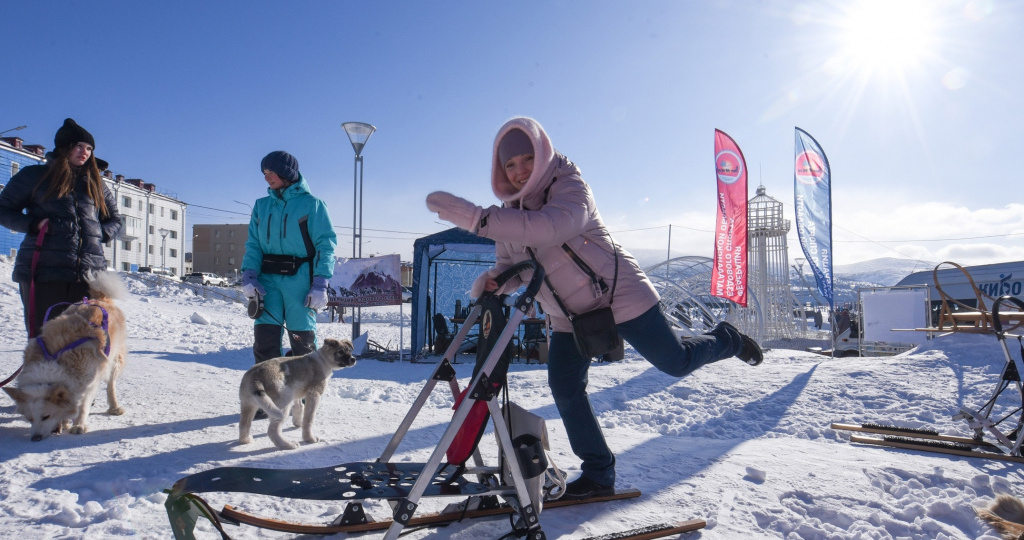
(67, 204)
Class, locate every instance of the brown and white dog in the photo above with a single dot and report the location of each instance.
(1006, 514)
(64, 365)
(279, 385)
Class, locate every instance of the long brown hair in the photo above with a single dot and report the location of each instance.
(62, 179)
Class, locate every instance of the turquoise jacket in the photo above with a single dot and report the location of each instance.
(274, 230)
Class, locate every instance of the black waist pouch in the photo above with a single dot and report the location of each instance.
(282, 265)
(595, 332)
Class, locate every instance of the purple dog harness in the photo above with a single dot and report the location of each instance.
(79, 341)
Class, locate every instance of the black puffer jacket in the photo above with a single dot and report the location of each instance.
(73, 245)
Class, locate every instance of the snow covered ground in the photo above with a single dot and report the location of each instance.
(748, 449)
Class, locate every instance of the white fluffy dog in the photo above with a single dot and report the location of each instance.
(65, 364)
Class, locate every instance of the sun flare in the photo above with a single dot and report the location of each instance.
(887, 35)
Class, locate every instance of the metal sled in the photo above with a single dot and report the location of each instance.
(402, 484)
(1002, 415)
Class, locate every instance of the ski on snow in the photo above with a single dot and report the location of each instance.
(654, 531)
(927, 441)
(487, 508)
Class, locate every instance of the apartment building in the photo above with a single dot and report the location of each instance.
(219, 248)
(153, 233)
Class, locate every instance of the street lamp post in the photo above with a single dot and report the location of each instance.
(163, 248)
(19, 128)
(358, 134)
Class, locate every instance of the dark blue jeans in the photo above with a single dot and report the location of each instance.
(651, 336)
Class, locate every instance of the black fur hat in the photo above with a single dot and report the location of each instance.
(71, 134)
(282, 163)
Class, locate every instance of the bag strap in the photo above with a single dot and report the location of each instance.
(586, 268)
(310, 250)
(599, 285)
(554, 293)
(594, 278)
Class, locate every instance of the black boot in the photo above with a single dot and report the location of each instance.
(750, 352)
(585, 488)
(303, 342)
(267, 342)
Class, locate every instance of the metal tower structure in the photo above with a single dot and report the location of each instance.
(768, 266)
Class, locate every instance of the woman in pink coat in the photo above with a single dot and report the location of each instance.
(548, 213)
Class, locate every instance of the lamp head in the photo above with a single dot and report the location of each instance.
(358, 134)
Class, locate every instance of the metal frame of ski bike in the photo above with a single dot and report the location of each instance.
(430, 480)
(981, 421)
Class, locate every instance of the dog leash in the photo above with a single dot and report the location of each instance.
(31, 295)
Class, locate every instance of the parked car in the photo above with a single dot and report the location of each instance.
(157, 271)
(206, 278)
(406, 294)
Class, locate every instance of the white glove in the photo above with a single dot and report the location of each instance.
(464, 214)
(250, 285)
(480, 283)
(317, 297)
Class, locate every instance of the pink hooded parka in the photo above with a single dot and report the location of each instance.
(556, 207)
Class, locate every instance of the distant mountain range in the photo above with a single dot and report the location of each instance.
(848, 278)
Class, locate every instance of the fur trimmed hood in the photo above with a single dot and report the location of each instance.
(544, 161)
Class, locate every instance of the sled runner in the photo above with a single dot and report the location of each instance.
(518, 479)
(998, 426)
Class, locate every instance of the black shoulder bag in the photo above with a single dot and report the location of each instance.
(594, 331)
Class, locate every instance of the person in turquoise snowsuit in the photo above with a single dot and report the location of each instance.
(279, 268)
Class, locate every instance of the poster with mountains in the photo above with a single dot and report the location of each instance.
(372, 281)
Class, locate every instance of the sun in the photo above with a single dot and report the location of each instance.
(887, 36)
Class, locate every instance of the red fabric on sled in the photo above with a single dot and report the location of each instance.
(470, 433)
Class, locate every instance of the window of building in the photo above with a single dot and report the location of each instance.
(152, 208)
(174, 234)
(161, 211)
(231, 261)
(231, 247)
(216, 247)
(231, 233)
(150, 250)
(151, 229)
(15, 167)
(174, 253)
(126, 244)
(140, 206)
(174, 215)
(126, 267)
(126, 202)
(216, 233)
(216, 261)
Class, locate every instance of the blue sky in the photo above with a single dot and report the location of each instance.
(916, 104)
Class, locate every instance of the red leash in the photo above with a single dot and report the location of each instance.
(31, 296)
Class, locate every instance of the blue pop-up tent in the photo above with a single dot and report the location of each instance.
(444, 267)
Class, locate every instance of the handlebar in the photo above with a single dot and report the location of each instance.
(997, 323)
(532, 287)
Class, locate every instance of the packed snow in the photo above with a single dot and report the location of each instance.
(749, 450)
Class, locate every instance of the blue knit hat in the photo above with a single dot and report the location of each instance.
(282, 163)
